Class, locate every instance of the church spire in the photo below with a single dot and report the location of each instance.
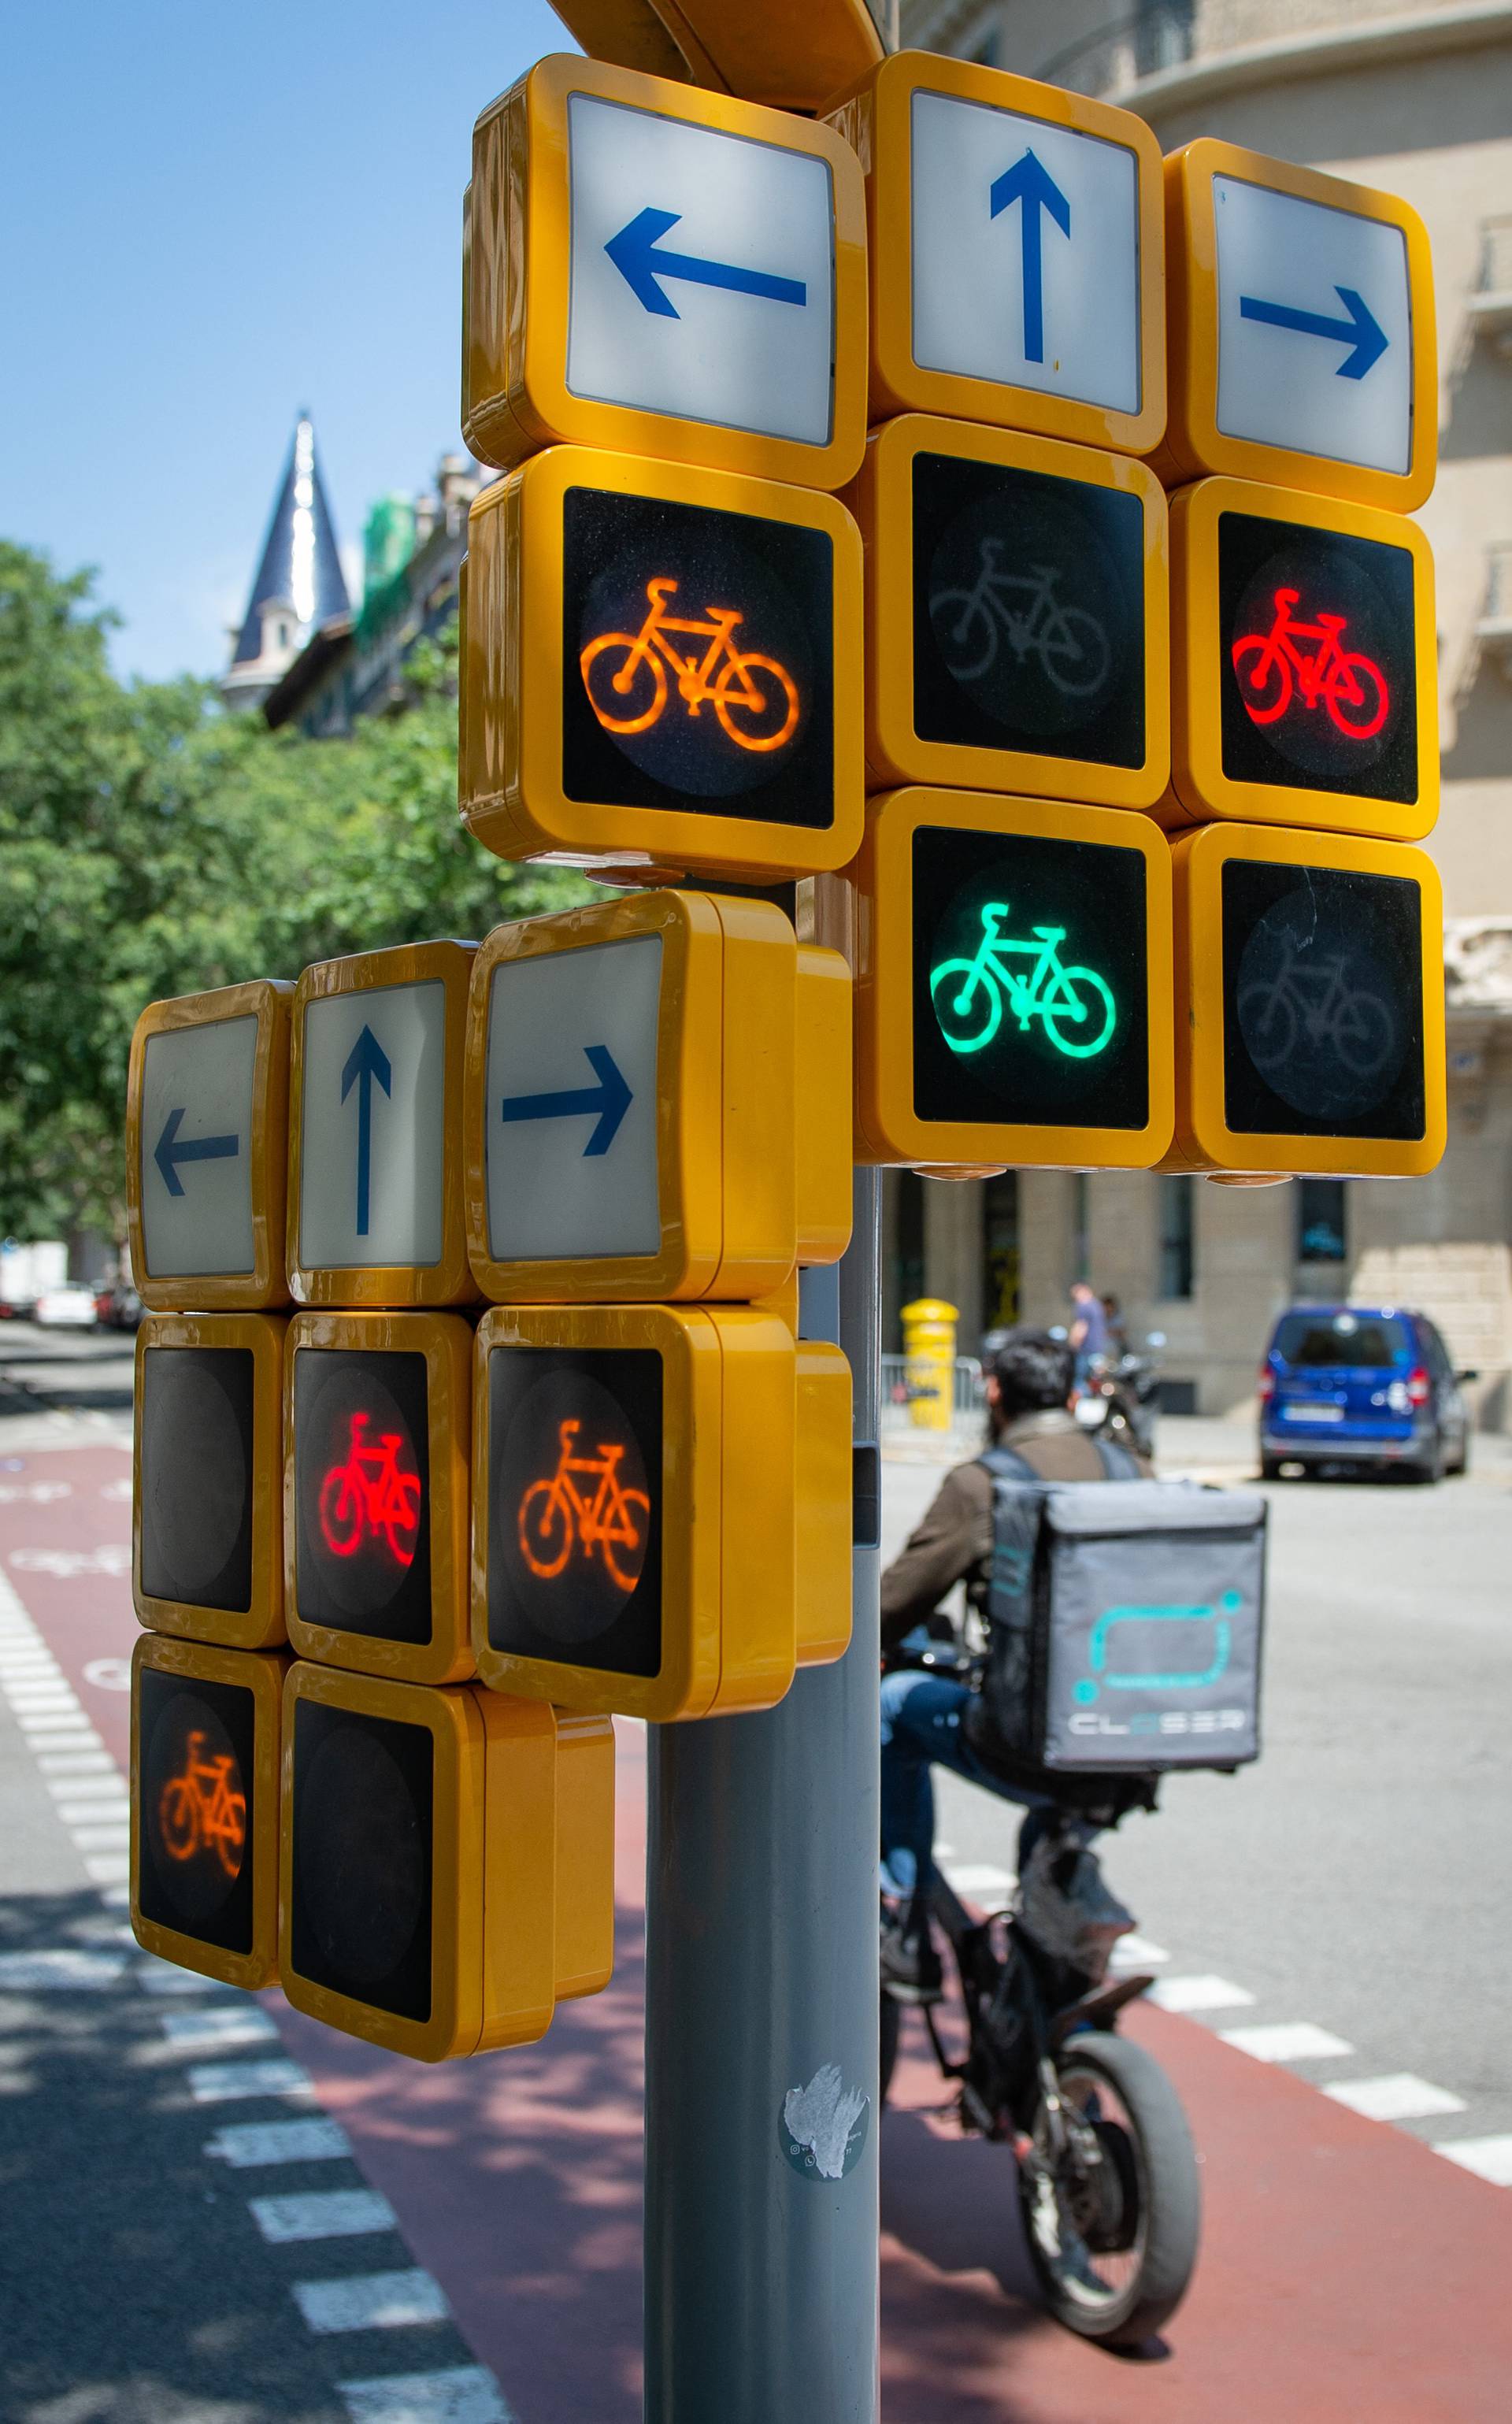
(299, 584)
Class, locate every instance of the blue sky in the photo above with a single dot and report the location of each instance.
(213, 214)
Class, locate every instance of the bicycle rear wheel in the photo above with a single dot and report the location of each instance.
(1265, 679)
(627, 684)
(545, 1530)
(965, 632)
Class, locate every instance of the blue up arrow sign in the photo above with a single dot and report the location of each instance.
(366, 1061)
(1039, 198)
(636, 253)
(171, 1150)
(607, 1102)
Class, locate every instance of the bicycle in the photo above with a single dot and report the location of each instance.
(1072, 645)
(619, 664)
(1058, 997)
(199, 1811)
(1334, 678)
(1274, 1011)
(368, 1495)
(555, 1515)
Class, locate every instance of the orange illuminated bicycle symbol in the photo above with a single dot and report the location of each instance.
(369, 1497)
(1272, 669)
(756, 698)
(198, 1811)
(556, 1515)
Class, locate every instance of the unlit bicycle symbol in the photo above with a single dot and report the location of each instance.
(970, 625)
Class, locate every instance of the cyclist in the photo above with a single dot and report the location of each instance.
(1029, 1385)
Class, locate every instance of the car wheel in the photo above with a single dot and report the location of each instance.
(1432, 1467)
(1270, 1468)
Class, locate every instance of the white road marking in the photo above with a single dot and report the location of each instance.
(246, 2145)
(77, 1763)
(105, 1784)
(26, 1972)
(372, 2302)
(979, 1877)
(111, 1870)
(1286, 2041)
(219, 2082)
(1490, 2158)
(324, 2213)
(103, 1839)
(1198, 1994)
(157, 1977)
(223, 2024)
(108, 1674)
(64, 1740)
(26, 1697)
(462, 2394)
(1395, 2097)
(1138, 1953)
(51, 1721)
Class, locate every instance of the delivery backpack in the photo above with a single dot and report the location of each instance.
(1125, 1621)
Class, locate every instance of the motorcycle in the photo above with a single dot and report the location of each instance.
(1108, 2178)
(1120, 1395)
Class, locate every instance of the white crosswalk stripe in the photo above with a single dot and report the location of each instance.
(68, 1966)
(223, 2024)
(1199, 1994)
(372, 2302)
(246, 2145)
(221, 2082)
(1286, 2041)
(1490, 2158)
(1398, 2096)
(324, 2213)
(463, 2394)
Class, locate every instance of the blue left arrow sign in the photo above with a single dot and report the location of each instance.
(168, 1151)
(609, 1101)
(366, 1061)
(634, 253)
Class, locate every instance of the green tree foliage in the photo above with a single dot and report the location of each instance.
(151, 845)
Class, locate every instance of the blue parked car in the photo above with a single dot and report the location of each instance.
(1361, 1384)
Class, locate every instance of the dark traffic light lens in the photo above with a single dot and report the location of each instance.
(1318, 666)
(575, 1506)
(1322, 1001)
(361, 1484)
(1028, 612)
(1029, 980)
(363, 1850)
(697, 657)
(195, 1807)
(197, 1476)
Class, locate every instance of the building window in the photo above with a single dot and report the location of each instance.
(1000, 1307)
(1176, 1254)
(1321, 1234)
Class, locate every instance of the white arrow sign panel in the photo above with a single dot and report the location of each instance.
(703, 273)
(571, 1106)
(196, 1164)
(373, 1080)
(1314, 327)
(1026, 254)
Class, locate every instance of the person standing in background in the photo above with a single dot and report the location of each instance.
(1088, 1334)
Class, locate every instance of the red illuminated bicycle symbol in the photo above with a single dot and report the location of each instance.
(1272, 668)
(198, 1812)
(556, 1516)
(369, 1497)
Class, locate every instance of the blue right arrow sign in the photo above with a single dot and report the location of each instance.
(1362, 332)
(608, 1101)
(1039, 198)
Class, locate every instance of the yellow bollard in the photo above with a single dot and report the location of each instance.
(930, 1362)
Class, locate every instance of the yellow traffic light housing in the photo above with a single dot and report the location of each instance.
(374, 1128)
(207, 1114)
(207, 1556)
(378, 1460)
(1303, 344)
(660, 669)
(447, 1861)
(1304, 659)
(672, 271)
(638, 1496)
(1310, 1031)
(1017, 614)
(1016, 243)
(634, 1080)
(206, 1734)
(1013, 983)
(790, 55)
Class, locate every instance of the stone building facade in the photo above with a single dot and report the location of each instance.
(1417, 99)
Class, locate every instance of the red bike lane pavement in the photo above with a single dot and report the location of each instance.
(1346, 2270)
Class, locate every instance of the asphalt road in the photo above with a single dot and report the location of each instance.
(1354, 1879)
(68, 1384)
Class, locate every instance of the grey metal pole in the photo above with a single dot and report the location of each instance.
(761, 2005)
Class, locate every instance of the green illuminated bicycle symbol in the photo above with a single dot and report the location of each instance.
(968, 994)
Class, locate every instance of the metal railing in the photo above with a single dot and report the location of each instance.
(1117, 56)
(1496, 255)
(966, 1399)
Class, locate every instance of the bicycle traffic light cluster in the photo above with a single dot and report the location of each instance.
(1080, 718)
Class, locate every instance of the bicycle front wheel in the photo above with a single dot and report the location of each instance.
(1265, 679)
(755, 700)
(1077, 657)
(968, 1004)
(1082, 1015)
(1364, 1032)
(627, 684)
(545, 1530)
(401, 1524)
(625, 1557)
(965, 632)
(1357, 698)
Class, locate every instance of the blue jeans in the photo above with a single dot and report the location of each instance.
(921, 1728)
